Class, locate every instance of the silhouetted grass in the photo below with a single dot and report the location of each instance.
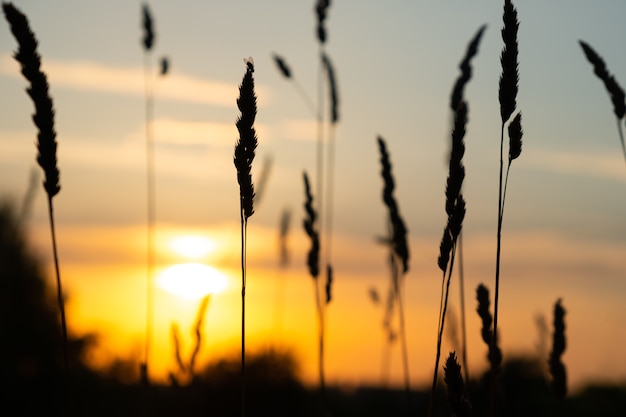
(148, 40)
(557, 368)
(507, 94)
(612, 86)
(311, 228)
(456, 388)
(458, 96)
(244, 155)
(494, 354)
(400, 253)
(30, 63)
(455, 210)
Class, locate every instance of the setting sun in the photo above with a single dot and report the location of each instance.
(192, 280)
(193, 247)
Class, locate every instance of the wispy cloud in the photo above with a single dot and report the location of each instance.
(101, 78)
(299, 129)
(202, 133)
(598, 164)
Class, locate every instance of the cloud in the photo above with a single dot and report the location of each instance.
(299, 129)
(101, 78)
(202, 133)
(603, 165)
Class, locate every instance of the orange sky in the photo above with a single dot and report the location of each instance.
(109, 298)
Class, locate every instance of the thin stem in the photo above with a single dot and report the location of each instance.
(320, 317)
(492, 390)
(462, 295)
(61, 303)
(244, 224)
(405, 355)
(621, 137)
(319, 152)
(506, 183)
(441, 328)
(150, 189)
(305, 97)
(330, 174)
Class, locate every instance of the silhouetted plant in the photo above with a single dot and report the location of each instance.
(313, 258)
(187, 368)
(457, 399)
(557, 368)
(458, 96)
(244, 155)
(455, 210)
(286, 72)
(148, 40)
(507, 94)
(494, 354)
(400, 253)
(30, 63)
(283, 263)
(612, 86)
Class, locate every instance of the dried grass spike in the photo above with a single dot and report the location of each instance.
(466, 69)
(247, 143)
(599, 68)
(285, 220)
(197, 331)
(557, 368)
(456, 173)
(332, 84)
(282, 66)
(456, 387)
(148, 30)
(310, 228)
(486, 331)
(165, 66)
(400, 245)
(510, 76)
(320, 11)
(329, 283)
(30, 62)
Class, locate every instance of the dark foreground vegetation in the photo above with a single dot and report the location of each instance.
(34, 382)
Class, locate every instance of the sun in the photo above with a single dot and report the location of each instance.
(192, 280)
(193, 247)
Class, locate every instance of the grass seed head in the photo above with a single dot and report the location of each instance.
(30, 63)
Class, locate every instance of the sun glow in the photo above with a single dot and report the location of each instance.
(193, 247)
(192, 280)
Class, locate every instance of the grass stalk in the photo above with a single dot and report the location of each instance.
(313, 260)
(457, 399)
(148, 44)
(462, 305)
(557, 368)
(285, 70)
(616, 92)
(38, 90)
(400, 253)
(507, 94)
(621, 137)
(455, 210)
(456, 99)
(244, 155)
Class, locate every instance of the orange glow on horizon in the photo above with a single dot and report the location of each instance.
(192, 280)
(193, 246)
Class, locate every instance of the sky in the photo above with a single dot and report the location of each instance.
(564, 233)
